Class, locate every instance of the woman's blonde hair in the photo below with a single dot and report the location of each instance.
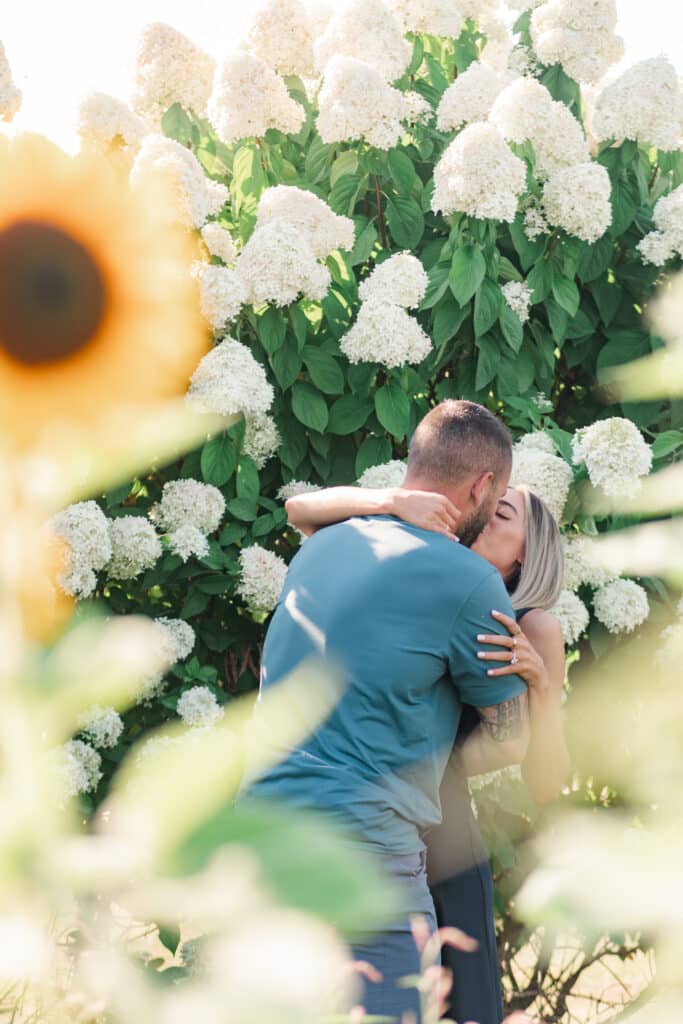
(538, 582)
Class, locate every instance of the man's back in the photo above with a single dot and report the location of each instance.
(399, 609)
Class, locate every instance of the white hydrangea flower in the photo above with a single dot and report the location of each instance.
(577, 199)
(582, 565)
(135, 547)
(526, 110)
(668, 653)
(388, 474)
(281, 34)
(418, 110)
(102, 726)
(190, 503)
(573, 616)
(368, 31)
(228, 381)
(198, 707)
(249, 98)
(644, 103)
(261, 439)
(262, 578)
(579, 35)
(538, 440)
(478, 10)
(10, 96)
(401, 280)
(499, 40)
(324, 229)
(517, 294)
(433, 17)
(104, 121)
(187, 541)
(615, 455)
(356, 103)
(385, 333)
(478, 174)
(85, 528)
(535, 223)
(196, 196)
(177, 638)
(170, 68)
(524, 5)
(278, 264)
(667, 239)
(222, 293)
(218, 241)
(621, 606)
(80, 765)
(546, 475)
(295, 487)
(469, 98)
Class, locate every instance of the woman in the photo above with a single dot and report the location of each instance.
(523, 542)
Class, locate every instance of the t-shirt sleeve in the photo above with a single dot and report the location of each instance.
(468, 671)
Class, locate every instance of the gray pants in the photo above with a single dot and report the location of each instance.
(394, 953)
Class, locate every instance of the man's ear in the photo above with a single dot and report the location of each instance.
(481, 487)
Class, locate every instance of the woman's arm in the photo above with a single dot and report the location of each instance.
(547, 764)
(314, 509)
(539, 651)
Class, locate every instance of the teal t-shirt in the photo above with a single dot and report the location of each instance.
(399, 609)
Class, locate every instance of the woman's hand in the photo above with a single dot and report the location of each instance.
(521, 656)
(426, 509)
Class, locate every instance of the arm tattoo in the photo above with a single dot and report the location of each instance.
(505, 721)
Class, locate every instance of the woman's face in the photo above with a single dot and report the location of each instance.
(501, 542)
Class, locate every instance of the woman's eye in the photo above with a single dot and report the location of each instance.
(499, 515)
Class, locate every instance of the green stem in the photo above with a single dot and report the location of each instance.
(380, 213)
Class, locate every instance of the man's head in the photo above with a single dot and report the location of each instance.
(461, 450)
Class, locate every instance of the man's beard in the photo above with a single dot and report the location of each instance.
(472, 527)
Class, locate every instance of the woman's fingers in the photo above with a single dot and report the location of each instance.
(496, 655)
(507, 621)
(496, 638)
(506, 670)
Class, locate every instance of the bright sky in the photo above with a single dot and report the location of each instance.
(58, 52)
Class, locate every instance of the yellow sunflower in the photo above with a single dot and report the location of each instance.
(98, 308)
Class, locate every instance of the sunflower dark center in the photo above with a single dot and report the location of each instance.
(52, 293)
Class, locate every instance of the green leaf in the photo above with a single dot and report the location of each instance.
(448, 319)
(242, 509)
(402, 171)
(365, 242)
(263, 525)
(248, 485)
(487, 361)
(607, 298)
(405, 221)
(507, 271)
(169, 935)
(218, 460)
(345, 163)
(325, 371)
(348, 414)
(438, 283)
(374, 451)
(487, 306)
(219, 583)
(558, 319)
(622, 347)
(318, 160)
(625, 202)
(595, 259)
(667, 443)
(342, 197)
(468, 268)
(540, 280)
(300, 324)
(175, 124)
(286, 363)
(527, 251)
(566, 294)
(272, 329)
(195, 603)
(309, 406)
(231, 533)
(512, 328)
(392, 406)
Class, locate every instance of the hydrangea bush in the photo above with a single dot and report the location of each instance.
(436, 208)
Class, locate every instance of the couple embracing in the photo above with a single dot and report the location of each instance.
(433, 598)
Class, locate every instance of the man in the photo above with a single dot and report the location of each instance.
(399, 608)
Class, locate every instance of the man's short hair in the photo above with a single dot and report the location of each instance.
(458, 439)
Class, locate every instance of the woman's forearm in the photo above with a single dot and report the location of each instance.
(310, 511)
(547, 764)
